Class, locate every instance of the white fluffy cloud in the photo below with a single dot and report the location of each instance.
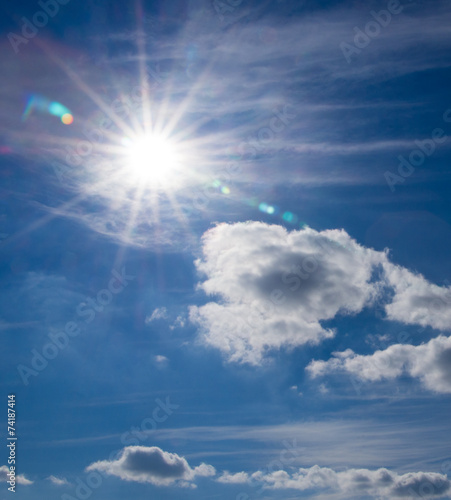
(430, 362)
(276, 286)
(152, 465)
(416, 301)
(20, 478)
(380, 483)
(273, 288)
(161, 361)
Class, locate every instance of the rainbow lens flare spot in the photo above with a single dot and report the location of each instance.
(67, 119)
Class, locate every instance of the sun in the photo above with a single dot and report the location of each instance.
(151, 159)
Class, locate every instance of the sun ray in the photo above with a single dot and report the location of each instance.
(134, 211)
(86, 89)
(57, 212)
(146, 111)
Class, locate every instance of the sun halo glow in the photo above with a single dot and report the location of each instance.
(151, 159)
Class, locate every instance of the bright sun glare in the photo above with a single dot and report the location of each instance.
(151, 159)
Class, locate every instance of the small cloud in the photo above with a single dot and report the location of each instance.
(323, 389)
(178, 323)
(238, 478)
(20, 479)
(57, 481)
(161, 361)
(295, 388)
(158, 313)
(153, 465)
(204, 470)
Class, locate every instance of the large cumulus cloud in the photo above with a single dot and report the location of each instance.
(273, 288)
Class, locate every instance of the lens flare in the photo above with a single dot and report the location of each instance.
(67, 119)
(40, 103)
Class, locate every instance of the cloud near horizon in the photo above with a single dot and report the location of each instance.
(380, 483)
(152, 465)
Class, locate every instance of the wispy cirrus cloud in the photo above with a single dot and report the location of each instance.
(330, 441)
(58, 481)
(158, 313)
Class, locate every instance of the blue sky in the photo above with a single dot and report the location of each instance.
(225, 232)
